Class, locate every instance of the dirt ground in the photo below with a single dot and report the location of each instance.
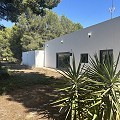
(26, 104)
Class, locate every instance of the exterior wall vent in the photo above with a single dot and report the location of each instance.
(89, 34)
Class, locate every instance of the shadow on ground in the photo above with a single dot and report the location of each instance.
(15, 66)
(34, 90)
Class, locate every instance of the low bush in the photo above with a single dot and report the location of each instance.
(3, 72)
(93, 91)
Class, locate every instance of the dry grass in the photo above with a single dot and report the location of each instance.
(27, 93)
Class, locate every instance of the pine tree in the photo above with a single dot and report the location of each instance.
(5, 51)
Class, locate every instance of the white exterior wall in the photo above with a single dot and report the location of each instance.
(33, 58)
(24, 58)
(105, 35)
(39, 58)
(28, 58)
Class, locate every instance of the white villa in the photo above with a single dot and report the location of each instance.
(100, 38)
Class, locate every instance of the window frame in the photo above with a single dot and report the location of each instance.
(57, 58)
(107, 52)
(83, 54)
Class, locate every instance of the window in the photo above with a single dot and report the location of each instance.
(63, 59)
(106, 54)
(84, 58)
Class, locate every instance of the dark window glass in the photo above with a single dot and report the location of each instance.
(84, 58)
(106, 55)
(63, 59)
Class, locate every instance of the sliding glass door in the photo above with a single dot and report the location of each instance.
(62, 60)
(105, 54)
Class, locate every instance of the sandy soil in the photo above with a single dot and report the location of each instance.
(26, 104)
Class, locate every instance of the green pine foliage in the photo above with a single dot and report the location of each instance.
(5, 51)
(32, 40)
(15, 42)
(32, 31)
(68, 26)
(36, 30)
(53, 28)
(12, 9)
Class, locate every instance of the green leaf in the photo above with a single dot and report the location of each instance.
(97, 103)
(94, 117)
(69, 110)
(116, 63)
(59, 101)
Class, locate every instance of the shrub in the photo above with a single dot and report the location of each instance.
(106, 100)
(74, 97)
(93, 91)
(3, 73)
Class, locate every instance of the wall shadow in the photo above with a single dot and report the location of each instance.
(35, 91)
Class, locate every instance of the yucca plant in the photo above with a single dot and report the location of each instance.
(106, 90)
(74, 97)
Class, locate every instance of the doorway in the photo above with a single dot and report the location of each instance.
(106, 54)
(62, 59)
